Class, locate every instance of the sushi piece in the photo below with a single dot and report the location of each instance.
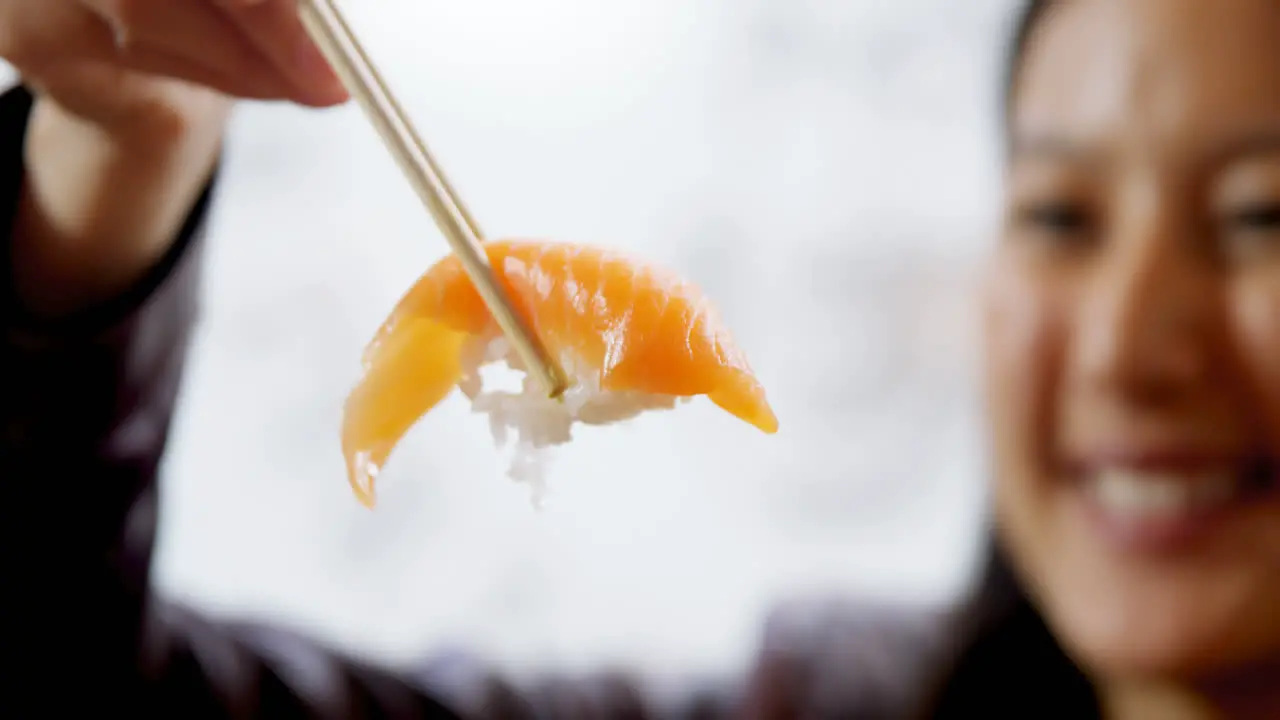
(629, 337)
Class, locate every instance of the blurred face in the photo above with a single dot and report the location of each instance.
(1133, 334)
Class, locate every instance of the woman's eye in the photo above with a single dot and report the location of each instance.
(1252, 230)
(1058, 223)
(1256, 218)
(1055, 217)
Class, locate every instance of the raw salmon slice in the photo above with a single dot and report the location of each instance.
(629, 336)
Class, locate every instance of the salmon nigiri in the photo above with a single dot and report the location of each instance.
(629, 337)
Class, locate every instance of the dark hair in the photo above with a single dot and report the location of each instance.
(1005, 660)
(1025, 23)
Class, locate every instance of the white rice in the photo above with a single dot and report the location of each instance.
(538, 421)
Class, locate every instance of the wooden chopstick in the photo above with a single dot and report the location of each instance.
(329, 30)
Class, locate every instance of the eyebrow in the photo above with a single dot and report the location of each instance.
(1259, 143)
(1030, 146)
(1026, 145)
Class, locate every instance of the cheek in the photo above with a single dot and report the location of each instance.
(1023, 335)
(1255, 318)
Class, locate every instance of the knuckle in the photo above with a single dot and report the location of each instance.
(122, 11)
(15, 44)
(26, 54)
(13, 47)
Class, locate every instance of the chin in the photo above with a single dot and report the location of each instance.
(1154, 659)
(1194, 605)
(1177, 637)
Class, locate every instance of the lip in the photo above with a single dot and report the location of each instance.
(1157, 537)
(1157, 460)
(1185, 529)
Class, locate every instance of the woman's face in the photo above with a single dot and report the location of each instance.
(1133, 334)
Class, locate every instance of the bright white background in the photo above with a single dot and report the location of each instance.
(826, 169)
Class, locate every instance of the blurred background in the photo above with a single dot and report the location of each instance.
(825, 169)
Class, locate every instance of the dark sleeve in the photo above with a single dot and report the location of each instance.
(846, 658)
(86, 410)
(85, 415)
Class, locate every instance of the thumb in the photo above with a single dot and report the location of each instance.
(44, 39)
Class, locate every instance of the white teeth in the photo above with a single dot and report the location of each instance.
(1156, 495)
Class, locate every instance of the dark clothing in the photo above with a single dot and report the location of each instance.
(87, 402)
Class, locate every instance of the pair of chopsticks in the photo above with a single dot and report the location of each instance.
(331, 33)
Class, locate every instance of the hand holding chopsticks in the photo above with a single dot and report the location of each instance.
(331, 33)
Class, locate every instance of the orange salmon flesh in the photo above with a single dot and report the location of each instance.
(628, 327)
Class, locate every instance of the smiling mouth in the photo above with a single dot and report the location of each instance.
(1143, 493)
(1158, 508)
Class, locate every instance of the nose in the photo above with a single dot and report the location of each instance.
(1143, 331)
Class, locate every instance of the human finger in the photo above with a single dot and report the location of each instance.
(184, 39)
(275, 29)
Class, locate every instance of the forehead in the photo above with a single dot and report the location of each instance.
(1168, 74)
